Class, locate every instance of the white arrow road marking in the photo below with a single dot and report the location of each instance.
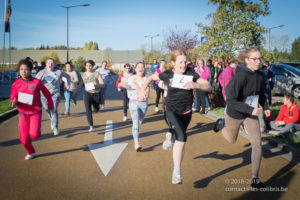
(106, 154)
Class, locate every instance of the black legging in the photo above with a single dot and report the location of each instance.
(89, 100)
(159, 92)
(179, 124)
(125, 101)
(201, 100)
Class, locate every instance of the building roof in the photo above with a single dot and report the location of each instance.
(116, 56)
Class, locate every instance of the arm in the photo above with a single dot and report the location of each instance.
(101, 82)
(76, 90)
(119, 80)
(47, 94)
(75, 79)
(201, 84)
(153, 77)
(64, 74)
(13, 96)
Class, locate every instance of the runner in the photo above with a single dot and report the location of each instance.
(123, 77)
(138, 100)
(179, 102)
(68, 93)
(106, 75)
(92, 82)
(159, 91)
(26, 95)
(243, 94)
(52, 78)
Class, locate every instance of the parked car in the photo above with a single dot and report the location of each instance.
(286, 79)
(294, 64)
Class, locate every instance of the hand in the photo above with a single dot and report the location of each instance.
(51, 110)
(14, 103)
(256, 111)
(190, 85)
(267, 113)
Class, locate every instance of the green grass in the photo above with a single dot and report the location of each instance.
(5, 106)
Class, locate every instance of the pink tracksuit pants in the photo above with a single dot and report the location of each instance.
(29, 127)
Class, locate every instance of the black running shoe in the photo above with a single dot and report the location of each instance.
(256, 183)
(219, 125)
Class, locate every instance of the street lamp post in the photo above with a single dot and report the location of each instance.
(280, 26)
(151, 37)
(68, 7)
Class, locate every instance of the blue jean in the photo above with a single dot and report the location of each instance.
(68, 98)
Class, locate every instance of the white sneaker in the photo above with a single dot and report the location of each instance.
(91, 129)
(51, 126)
(194, 109)
(156, 109)
(176, 179)
(167, 144)
(125, 118)
(56, 132)
(30, 156)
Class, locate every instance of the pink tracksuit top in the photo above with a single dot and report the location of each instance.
(33, 87)
(205, 74)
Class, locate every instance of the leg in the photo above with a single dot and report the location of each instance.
(45, 106)
(35, 126)
(202, 100)
(24, 133)
(142, 109)
(88, 107)
(96, 101)
(54, 117)
(195, 100)
(158, 92)
(252, 127)
(231, 129)
(67, 95)
(133, 108)
(125, 102)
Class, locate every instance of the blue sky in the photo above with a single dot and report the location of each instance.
(122, 25)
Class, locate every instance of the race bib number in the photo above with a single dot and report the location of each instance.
(89, 86)
(180, 80)
(49, 78)
(25, 98)
(252, 101)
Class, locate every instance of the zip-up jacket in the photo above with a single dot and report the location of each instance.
(288, 114)
(32, 87)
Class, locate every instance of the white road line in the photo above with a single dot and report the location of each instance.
(106, 154)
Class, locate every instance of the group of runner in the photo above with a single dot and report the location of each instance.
(243, 94)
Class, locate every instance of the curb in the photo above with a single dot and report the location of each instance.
(7, 115)
(277, 147)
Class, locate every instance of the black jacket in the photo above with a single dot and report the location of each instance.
(245, 83)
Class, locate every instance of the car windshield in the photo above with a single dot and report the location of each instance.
(297, 65)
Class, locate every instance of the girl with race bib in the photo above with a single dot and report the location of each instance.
(243, 94)
(138, 100)
(180, 83)
(92, 82)
(26, 95)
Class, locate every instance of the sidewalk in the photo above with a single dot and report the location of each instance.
(66, 169)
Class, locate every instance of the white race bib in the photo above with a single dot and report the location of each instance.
(25, 98)
(180, 80)
(252, 101)
(49, 78)
(89, 86)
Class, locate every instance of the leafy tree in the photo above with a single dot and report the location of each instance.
(78, 64)
(234, 26)
(51, 55)
(295, 54)
(91, 46)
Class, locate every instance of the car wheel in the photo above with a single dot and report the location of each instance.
(296, 92)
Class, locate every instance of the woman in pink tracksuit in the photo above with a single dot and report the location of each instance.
(227, 74)
(200, 95)
(26, 94)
